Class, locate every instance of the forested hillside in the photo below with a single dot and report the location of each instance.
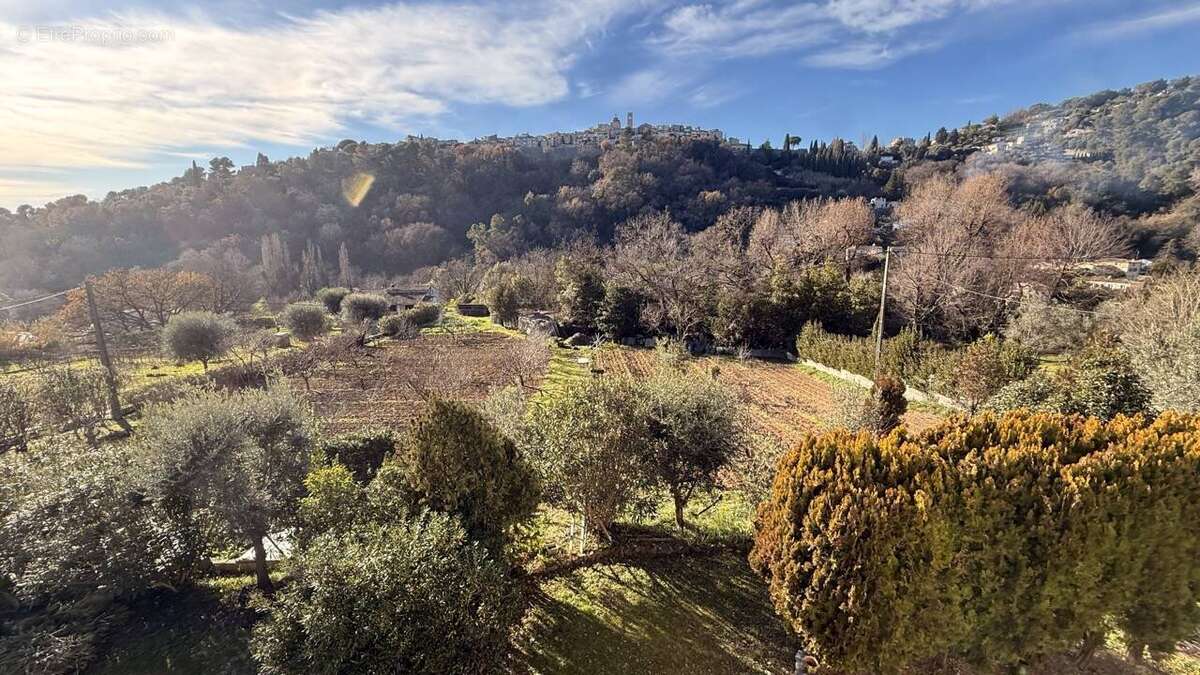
(399, 207)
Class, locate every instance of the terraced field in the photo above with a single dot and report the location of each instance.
(386, 385)
(785, 400)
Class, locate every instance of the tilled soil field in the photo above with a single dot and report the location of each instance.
(785, 400)
(386, 384)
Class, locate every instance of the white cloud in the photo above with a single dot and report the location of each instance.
(98, 94)
(712, 95)
(856, 34)
(649, 85)
(866, 55)
(1144, 23)
(25, 191)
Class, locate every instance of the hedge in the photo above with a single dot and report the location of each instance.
(1000, 539)
(970, 374)
(922, 363)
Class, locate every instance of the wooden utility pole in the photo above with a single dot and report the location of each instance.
(110, 375)
(887, 257)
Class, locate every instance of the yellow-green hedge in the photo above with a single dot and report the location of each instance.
(997, 538)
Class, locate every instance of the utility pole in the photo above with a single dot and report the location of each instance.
(887, 257)
(110, 375)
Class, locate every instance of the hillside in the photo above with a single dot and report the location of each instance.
(399, 207)
(1134, 149)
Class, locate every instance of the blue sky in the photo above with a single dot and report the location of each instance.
(106, 95)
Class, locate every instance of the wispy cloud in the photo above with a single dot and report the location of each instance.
(1143, 23)
(120, 90)
(855, 34)
(867, 55)
(712, 95)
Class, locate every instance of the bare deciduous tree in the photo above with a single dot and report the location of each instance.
(954, 274)
(655, 255)
(1065, 237)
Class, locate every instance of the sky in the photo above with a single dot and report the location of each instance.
(105, 95)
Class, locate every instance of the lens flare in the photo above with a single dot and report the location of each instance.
(355, 187)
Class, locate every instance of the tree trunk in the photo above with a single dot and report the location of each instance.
(260, 566)
(680, 502)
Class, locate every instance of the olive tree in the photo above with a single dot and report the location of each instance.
(240, 456)
(590, 443)
(305, 320)
(405, 597)
(695, 427)
(73, 398)
(198, 336)
(332, 298)
(360, 307)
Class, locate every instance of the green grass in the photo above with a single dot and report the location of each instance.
(198, 630)
(677, 615)
(567, 367)
(453, 322)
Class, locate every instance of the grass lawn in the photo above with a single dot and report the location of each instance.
(200, 630)
(675, 615)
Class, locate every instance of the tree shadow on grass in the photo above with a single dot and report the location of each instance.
(200, 630)
(673, 615)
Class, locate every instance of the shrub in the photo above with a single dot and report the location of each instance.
(890, 404)
(1047, 327)
(1160, 329)
(242, 457)
(409, 597)
(332, 298)
(398, 326)
(696, 427)
(1105, 384)
(1098, 382)
(16, 417)
(621, 312)
(77, 541)
(423, 314)
(74, 399)
(997, 539)
(877, 410)
(305, 320)
(504, 299)
(455, 461)
(589, 444)
(197, 336)
(905, 356)
(332, 502)
(360, 307)
(72, 523)
(362, 452)
(987, 365)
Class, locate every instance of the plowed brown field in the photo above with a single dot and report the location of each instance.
(785, 400)
(387, 385)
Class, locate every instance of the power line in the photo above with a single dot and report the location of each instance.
(37, 300)
(901, 250)
(997, 297)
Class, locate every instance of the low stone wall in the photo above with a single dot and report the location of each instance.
(865, 382)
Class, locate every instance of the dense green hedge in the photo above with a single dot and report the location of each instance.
(971, 374)
(999, 539)
(921, 363)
